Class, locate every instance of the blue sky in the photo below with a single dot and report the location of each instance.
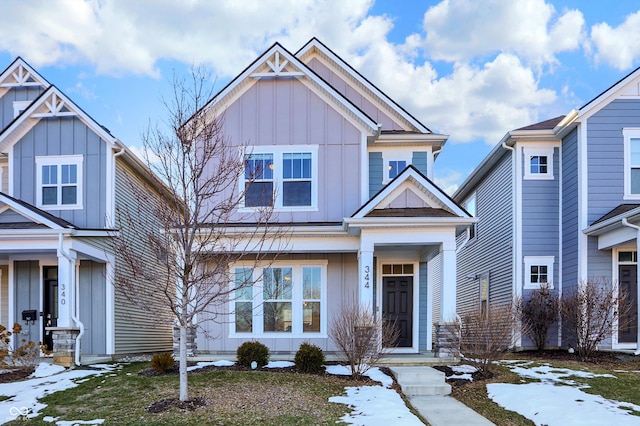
(469, 69)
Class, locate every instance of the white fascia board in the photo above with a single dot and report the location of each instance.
(609, 95)
(382, 101)
(396, 222)
(91, 251)
(38, 242)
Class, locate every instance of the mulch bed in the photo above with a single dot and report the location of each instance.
(16, 374)
(168, 403)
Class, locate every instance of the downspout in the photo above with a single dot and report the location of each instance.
(75, 289)
(626, 223)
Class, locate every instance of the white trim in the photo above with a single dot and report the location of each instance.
(12, 295)
(518, 281)
(615, 275)
(583, 200)
(110, 306)
(19, 107)
(530, 261)
(59, 161)
(364, 169)
(472, 196)
(278, 151)
(532, 151)
(11, 169)
(560, 256)
(296, 311)
(628, 134)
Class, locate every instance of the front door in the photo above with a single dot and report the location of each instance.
(50, 275)
(397, 305)
(628, 284)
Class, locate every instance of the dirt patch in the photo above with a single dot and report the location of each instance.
(169, 403)
(15, 374)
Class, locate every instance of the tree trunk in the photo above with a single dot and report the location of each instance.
(184, 386)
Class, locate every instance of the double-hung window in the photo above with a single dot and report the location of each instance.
(280, 299)
(631, 163)
(285, 177)
(59, 181)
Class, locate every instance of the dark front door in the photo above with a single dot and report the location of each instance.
(397, 305)
(50, 274)
(628, 284)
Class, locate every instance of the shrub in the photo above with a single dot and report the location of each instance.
(25, 355)
(538, 314)
(309, 359)
(252, 351)
(362, 338)
(162, 361)
(591, 312)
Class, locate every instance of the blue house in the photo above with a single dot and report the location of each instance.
(62, 178)
(558, 202)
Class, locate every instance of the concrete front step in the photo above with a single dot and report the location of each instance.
(416, 381)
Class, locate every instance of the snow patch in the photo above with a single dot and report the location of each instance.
(375, 406)
(44, 369)
(202, 364)
(279, 364)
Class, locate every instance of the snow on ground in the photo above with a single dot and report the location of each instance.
(202, 364)
(463, 372)
(47, 379)
(279, 364)
(558, 399)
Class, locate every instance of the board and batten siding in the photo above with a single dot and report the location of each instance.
(93, 290)
(136, 329)
(27, 296)
(287, 112)
(64, 136)
(354, 95)
(16, 94)
(342, 279)
(491, 251)
(570, 209)
(4, 296)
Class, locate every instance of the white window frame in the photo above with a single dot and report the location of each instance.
(387, 164)
(538, 152)
(19, 107)
(59, 161)
(278, 180)
(487, 299)
(472, 231)
(530, 261)
(628, 134)
(297, 300)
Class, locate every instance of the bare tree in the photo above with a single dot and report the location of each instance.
(592, 312)
(539, 313)
(363, 339)
(178, 244)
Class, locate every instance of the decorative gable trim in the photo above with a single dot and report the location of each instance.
(315, 48)
(20, 74)
(412, 178)
(51, 104)
(287, 65)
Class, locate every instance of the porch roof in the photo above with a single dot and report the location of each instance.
(613, 219)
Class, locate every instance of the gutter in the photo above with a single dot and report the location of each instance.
(74, 286)
(626, 223)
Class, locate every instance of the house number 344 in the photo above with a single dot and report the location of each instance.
(366, 276)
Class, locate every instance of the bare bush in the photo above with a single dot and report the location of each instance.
(363, 339)
(538, 314)
(485, 336)
(591, 312)
(25, 355)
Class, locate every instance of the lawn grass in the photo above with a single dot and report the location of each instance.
(231, 398)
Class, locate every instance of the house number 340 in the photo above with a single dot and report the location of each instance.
(366, 276)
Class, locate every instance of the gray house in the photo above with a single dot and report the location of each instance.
(349, 174)
(558, 202)
(62, 178)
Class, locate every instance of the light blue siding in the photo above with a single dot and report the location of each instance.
(10, 216)
(67, 136)
(93, 291)
(376, 173)
(491, 251)
(15, 95)
(27, 297)
(419, 161)
(570, 209)
(424, 328)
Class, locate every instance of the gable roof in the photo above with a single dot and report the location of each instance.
(39, 218)
(51, 103)
(440, 205)
(315, 46)
(278, 62)
(20, 74)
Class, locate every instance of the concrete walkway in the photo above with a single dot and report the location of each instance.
(427, 391)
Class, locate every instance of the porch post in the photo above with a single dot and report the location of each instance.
(365, 271)
(448, 283)
(66, 267)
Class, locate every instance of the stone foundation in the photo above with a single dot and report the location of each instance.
(192, 346)
(447, 344)
(64, 345)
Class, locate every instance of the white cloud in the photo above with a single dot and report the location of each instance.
(460, 30)
(618, 47)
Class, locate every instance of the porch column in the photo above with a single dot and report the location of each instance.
(448, 283)
(365, 279)
(66, 275)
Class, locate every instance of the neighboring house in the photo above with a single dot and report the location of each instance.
(558, 202)
(350, 175)
(62, 177)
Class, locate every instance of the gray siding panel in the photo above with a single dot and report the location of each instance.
(27, 296)
(419, 160)
(376, 173)
(14, 95)
(570, 209)
(93, 290)
(490, 252)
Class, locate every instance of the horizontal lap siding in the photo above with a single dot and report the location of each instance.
(342, 279)
(491, 250)
(570, 209)
(137, 330)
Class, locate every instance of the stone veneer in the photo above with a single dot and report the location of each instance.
(447, 344)
(64, 345)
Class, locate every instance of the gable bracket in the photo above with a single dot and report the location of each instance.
(277, 69)
(55, 106)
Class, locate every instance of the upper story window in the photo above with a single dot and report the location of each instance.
(470, 207)
(631, 163)
(538, 270)
(19, 106)
(395, 167)
(538, 163)
(284, 177)
(59, 181)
